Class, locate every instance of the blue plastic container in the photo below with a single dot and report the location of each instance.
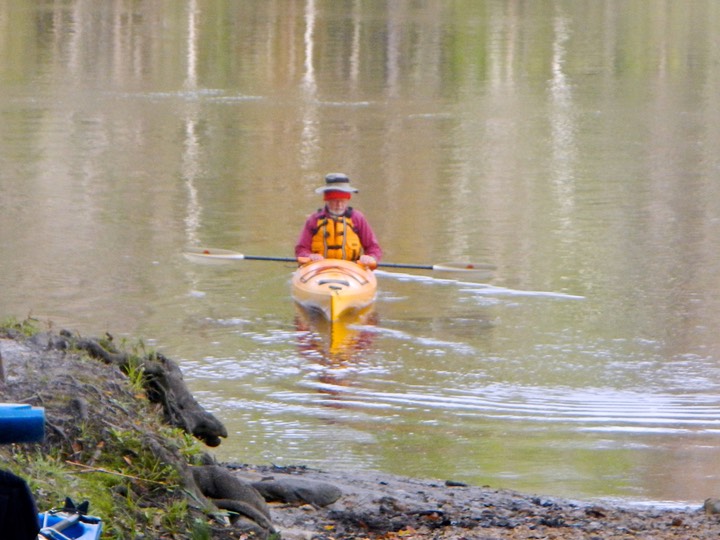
(63, 526)
(21, 423)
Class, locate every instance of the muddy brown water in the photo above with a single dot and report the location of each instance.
(572, 144)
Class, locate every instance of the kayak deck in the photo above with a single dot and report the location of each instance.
(334, 287)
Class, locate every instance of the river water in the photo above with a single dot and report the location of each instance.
(573, 144)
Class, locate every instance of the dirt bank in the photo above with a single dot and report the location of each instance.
(375, 505)
(107, 442)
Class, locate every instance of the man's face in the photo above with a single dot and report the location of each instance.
(337, 207)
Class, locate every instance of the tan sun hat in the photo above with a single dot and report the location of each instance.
(336, 182)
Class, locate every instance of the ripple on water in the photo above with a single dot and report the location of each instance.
(599, 410)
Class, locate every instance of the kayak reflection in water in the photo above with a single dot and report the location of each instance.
(338, 231)
(334, 343)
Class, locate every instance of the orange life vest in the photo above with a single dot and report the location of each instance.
(335, 238)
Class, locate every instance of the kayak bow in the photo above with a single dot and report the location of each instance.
(334, 287)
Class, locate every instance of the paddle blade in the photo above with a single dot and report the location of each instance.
(212, 255)
(464, 267)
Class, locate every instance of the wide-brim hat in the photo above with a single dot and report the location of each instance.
(336, 182)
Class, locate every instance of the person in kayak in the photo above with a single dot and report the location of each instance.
(338, 231)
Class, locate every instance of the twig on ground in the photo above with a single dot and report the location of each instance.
(88, 468)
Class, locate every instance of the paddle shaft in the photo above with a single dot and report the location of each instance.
(261, 258)
(382, 265)
(409, 266)
(387, 265)
(219, 254)
(292, 259)
(447, 267)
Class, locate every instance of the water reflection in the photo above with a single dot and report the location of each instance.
(309, 136)
(335, 343)
(562, 129)
(335, 349)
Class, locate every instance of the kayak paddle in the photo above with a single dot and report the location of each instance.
(219, 255)
(212, 255)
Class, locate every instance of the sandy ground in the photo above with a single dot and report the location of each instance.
(375, 505)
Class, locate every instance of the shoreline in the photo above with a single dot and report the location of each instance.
(375, 503)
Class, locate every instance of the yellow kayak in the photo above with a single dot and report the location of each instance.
(334, 287)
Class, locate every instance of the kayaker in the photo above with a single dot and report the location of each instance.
(338, 231)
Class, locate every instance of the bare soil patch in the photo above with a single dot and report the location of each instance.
(376, 505)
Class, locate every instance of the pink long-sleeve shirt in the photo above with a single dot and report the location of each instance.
(364, 231)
